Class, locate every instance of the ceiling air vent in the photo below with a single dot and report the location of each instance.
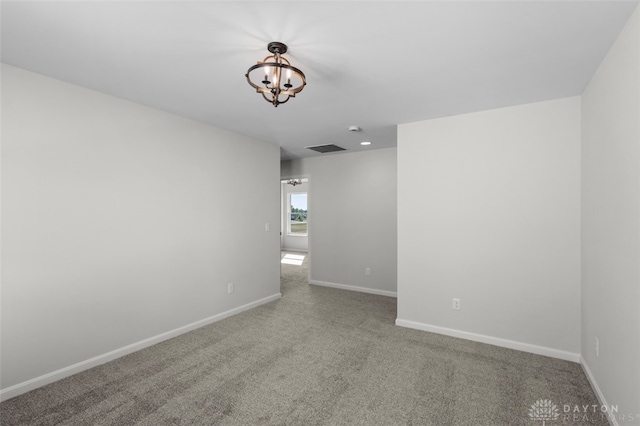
(326, 148)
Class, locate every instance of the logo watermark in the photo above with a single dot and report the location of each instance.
(545, 410)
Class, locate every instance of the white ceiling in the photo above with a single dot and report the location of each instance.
(373, 64)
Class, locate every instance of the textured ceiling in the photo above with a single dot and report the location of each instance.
(372, 64)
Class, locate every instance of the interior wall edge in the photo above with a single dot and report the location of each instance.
(596, 389)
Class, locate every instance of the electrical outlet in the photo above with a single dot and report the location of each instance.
(456, 304)
(367, 271)
(597, 347)
(230, 288)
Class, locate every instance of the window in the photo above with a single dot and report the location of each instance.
(298, 213)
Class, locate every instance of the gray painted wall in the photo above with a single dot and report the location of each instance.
(353, 220)
(611, 223)
(121, 223)
(489, 212)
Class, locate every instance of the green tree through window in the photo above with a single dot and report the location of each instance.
(298, 213)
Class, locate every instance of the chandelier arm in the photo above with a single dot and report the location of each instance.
(279, 68)
(275, 101)
(259, 89)
(264, 95)
(300, 75)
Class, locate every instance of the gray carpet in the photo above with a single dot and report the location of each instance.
(317, 356)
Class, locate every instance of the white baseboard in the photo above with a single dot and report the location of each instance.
(54, 376)
(596, 389)
(294, 250)
(496, 341)
(355, 288)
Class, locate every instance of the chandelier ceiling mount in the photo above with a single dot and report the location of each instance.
(274, 77)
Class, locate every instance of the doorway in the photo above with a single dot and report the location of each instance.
(294, 227)
(295, 230)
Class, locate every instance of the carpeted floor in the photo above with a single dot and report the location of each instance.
(317, 356)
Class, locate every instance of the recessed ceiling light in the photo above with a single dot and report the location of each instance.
(354, 129)
(365, 143)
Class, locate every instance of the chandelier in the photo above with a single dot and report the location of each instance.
(280, 81)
